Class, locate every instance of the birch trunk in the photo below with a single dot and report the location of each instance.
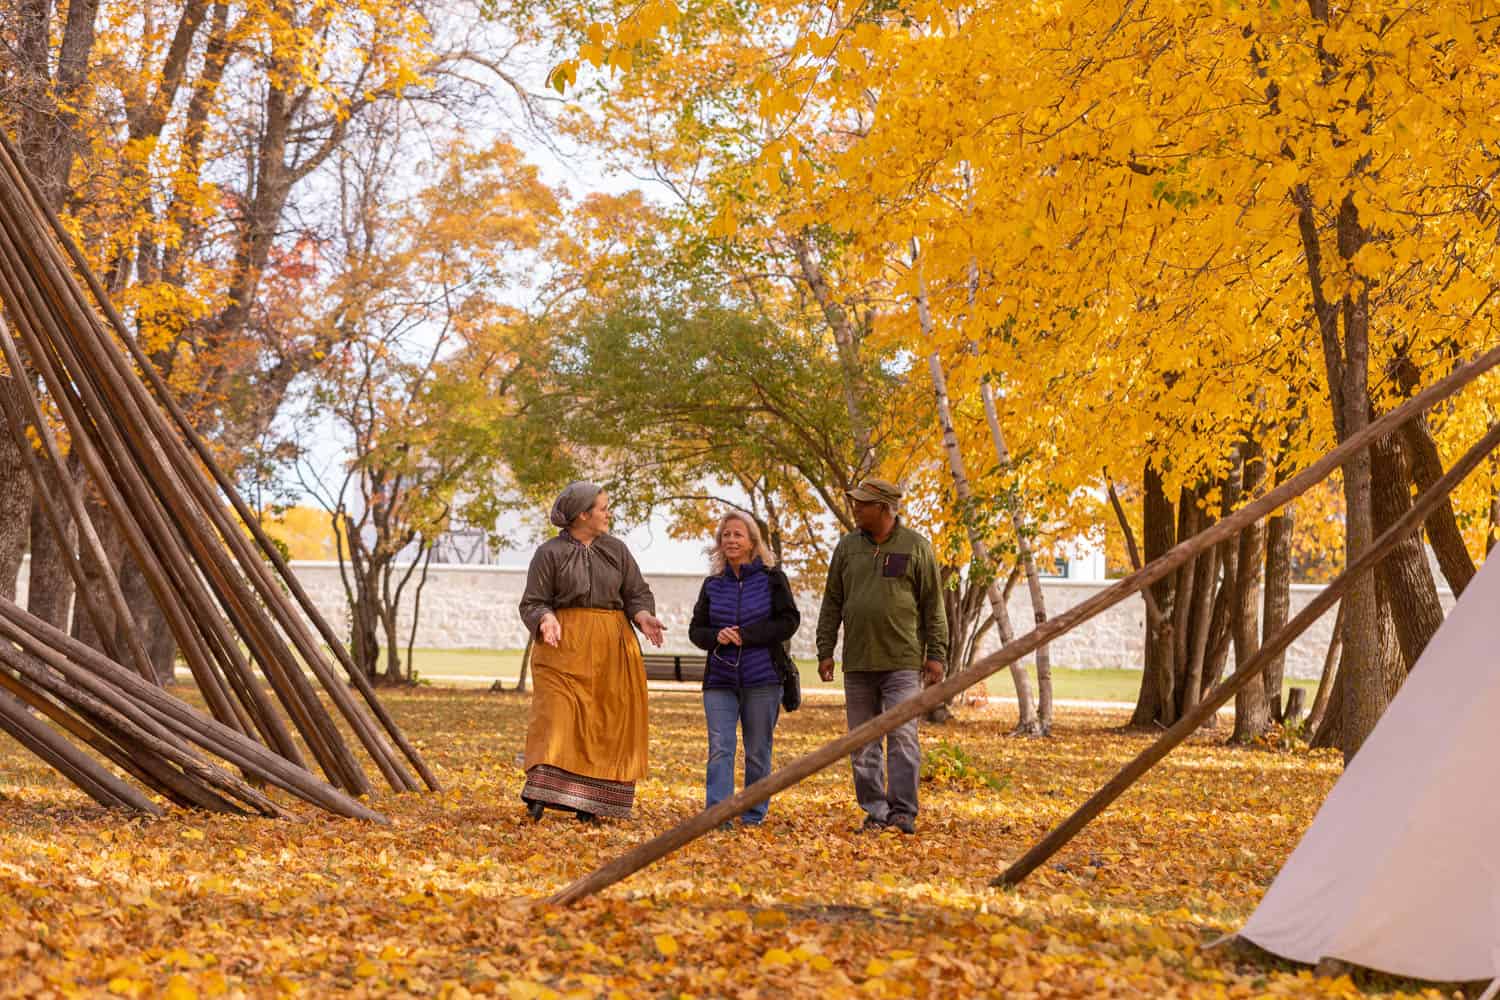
(1028, 723)
(1024, 551)
(846, 340)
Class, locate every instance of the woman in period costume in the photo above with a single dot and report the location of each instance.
(744, 617)
(586, 744)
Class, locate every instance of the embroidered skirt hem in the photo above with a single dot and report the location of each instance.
(554, 786)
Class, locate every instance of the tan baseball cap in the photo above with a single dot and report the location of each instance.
(877, 491)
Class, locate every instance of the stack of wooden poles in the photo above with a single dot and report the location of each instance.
(224, 588)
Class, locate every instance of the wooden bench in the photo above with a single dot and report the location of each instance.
(674, 666)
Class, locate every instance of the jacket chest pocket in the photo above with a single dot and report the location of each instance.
(893, 565)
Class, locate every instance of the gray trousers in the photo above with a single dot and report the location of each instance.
(885, 777)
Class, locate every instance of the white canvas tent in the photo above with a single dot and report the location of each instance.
(1400, 870)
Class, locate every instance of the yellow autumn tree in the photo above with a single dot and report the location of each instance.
(1203, 241)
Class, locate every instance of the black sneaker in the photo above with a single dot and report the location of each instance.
(906, 824)
(873, 825)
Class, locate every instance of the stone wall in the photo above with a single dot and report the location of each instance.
(474, 607)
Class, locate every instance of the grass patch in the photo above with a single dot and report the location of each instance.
(481, 667)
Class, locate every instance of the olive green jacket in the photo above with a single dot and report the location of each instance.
(888, 598)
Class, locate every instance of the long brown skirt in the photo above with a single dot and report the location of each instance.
(586, 743)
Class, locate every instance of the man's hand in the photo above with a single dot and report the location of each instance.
(730, 636)
(651, 627)
(551, 629)
(825, 669)
(932, 672)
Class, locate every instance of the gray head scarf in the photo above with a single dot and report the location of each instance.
(574, 500)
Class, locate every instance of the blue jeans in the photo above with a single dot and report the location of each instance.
(727, 709)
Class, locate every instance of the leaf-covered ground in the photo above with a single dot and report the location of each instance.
(443, 902)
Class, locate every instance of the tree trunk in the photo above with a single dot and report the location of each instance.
(1360, 692)
(365, 627)
(963, 604)
(161, 644)
(49, 592)
(1326, 679)
(1426, 464)
(15, 498)
(1205, 582)
(1155, 704)
(1252, 712)
(1359, 696)
(847, 343)
(47, 114)
(1405, 573)
(416, 611)
(1386, 670)
(94, 575)
(1182, 603)
(525, 664)
(395, 673)
(1278, 604)
(357, 577)
(45, 118)
(1220, 629)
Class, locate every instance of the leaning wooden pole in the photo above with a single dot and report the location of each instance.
(87, 672)
(95, 780)
(651, 851)
(1252, 668)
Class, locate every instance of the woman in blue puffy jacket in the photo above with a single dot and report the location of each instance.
(744, 617)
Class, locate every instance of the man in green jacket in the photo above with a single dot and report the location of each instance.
(884, 590)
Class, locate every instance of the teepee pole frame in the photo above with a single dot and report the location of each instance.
(267, 587)
(653, 850)
(100, 407)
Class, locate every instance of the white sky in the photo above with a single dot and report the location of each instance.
(578, 174)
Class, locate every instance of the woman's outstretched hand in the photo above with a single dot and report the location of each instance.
(650, 626)
(551, 629)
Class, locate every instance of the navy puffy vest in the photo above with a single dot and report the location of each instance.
(741, 600)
